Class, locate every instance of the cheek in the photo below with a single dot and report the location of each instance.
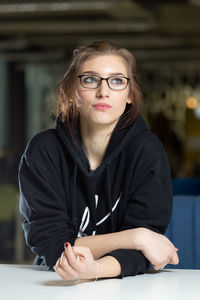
(122, 99)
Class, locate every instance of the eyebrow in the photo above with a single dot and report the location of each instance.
(98, 74)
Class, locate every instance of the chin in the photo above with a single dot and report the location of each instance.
(105, 122)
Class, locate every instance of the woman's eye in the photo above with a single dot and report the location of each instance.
(89, 79)
(117, 80)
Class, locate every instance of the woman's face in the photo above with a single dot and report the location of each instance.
(102, 106)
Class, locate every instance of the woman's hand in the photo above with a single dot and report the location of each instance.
(157, 248)
(76, 263)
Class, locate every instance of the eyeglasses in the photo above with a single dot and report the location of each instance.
(94, 81)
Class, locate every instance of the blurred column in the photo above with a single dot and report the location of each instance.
(34, 83)
(4, 104)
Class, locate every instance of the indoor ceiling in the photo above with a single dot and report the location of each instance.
(154, 30)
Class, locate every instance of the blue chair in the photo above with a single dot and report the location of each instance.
(184, 231)
(186, 186)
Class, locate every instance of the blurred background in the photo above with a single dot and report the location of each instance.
(36, 43)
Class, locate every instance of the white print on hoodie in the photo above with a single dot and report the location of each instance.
(86, 217)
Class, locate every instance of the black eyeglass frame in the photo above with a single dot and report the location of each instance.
(102, 78)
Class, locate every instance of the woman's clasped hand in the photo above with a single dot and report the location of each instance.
(157, 249)
(76, 263)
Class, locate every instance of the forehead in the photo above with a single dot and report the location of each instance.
(104, 64)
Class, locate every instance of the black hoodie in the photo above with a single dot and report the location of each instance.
(62, 199)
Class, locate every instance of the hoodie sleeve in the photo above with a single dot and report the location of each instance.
(42, 203)
(149, 204)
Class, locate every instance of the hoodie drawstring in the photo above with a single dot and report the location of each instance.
(108, 190)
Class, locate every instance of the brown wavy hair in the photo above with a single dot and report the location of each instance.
(66, 106)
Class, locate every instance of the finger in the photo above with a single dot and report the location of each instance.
(63, 268)
(174, 260)
(62, 260)
(57, 264)
(62, 263)
(66, 274)
(83, 252)
(159, 267)
(162, 266)
(156, 267)
(72, 257)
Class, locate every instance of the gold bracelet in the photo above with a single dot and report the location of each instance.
(97, 274)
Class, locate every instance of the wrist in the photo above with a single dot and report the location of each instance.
(108, 266)
(132, 238)
(139, 237)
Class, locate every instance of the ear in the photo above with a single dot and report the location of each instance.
(128, 101)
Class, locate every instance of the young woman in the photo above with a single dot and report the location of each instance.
(96, 191)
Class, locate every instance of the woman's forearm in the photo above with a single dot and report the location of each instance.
(108, 267)
(105, 243)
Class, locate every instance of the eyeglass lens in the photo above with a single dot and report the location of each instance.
(114, 82)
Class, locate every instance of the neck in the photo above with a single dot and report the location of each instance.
(95, 141)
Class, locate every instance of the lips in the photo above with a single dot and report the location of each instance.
(101, 106)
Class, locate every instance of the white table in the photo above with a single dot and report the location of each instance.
(19, 282)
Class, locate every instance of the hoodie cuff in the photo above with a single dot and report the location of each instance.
(132, 262)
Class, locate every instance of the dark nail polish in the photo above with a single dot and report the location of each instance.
(66, 245)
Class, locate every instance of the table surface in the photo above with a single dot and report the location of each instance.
(20, 282)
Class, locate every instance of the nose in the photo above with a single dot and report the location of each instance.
(103, 90)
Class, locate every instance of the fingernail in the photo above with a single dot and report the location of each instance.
(66, 245)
